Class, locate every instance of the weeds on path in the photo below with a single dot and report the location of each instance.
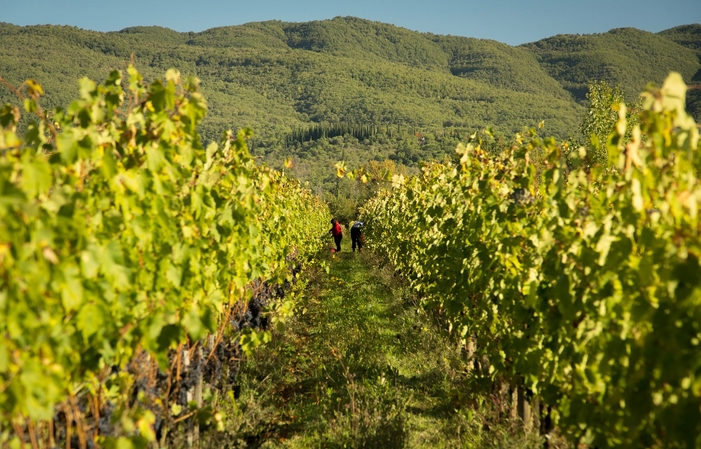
(361, 366)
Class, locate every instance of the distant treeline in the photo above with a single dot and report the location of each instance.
(368, 131)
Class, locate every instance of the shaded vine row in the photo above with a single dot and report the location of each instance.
(135, 263)
(576, 281)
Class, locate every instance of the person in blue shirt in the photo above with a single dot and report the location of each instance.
(357, 235)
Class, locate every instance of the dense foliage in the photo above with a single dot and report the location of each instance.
(626, 57)
(123, 238)
(687, 35)
(577, 280)
(278, 77)
(128, 234)
(602, 115)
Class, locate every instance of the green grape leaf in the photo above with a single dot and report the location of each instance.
(36, 176)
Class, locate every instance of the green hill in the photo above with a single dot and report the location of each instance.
(499, 65)
(626, 57)
(688, 36)
(279, 77)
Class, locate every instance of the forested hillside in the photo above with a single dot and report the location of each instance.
(690, 36)
(687, 35)
(431, 90)
(623, 56)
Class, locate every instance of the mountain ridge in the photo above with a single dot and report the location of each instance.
(279, 76)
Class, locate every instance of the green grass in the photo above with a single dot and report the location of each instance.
(361, 365)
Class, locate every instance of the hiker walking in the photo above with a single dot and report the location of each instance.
(337, 233)
(357, 235)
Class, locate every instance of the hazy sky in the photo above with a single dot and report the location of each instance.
(509, 21)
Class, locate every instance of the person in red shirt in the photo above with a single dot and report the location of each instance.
(337, 233)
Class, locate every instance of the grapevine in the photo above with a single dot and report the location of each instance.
(577, 281)
(127, 248)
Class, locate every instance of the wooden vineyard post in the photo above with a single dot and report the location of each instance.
(469, 354)
(188, 398)
(524, 409)
(194, 394)
(198, 391)
(536, 414)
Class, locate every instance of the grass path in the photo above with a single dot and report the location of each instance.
(361, 366)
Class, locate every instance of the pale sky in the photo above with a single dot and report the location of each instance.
(509, 21)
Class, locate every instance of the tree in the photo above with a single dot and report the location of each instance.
(601, 118)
